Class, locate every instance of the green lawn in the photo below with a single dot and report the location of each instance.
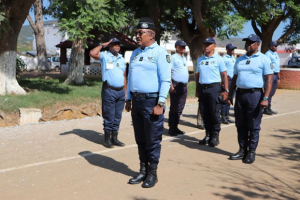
(50, 92)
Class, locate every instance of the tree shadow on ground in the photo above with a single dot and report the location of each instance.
(89, 135)
(107, 163)
(44, 85)
(192, 143)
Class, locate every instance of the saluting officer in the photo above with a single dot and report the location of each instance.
(149, 80)
(229, 62)
(178, 90)
(273, 55)
(250, 71)
(211, 70)
(113, 89)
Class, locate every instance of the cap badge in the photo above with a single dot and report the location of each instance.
(144, 25)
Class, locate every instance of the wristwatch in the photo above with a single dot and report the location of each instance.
(100, 44)
(226, 90)
(161, 104)
(265, 98)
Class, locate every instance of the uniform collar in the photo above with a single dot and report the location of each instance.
(272, 52)
(149, 47)
(112, 55)
(258, 53)
(214, 55)
(228, 56)
(179, 55)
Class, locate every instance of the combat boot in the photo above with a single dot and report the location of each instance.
(178, 131)
(228, 119)
(107, 140)
(114, 139)
(141, 176)
(151, 178)
(224, 119)
(238, 155)
(172, 131)
(206, 139)
(267, 111)
(214, 139)
(272, 111)
(250, 157)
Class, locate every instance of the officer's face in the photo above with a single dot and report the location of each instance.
(180, 49)
(230, 51)
(251, 46)
(208, 48)
(116, 46)
(273, 48)
(144, 36)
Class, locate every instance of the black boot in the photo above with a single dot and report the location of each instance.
(178, 131)
(206, 139)
(272, 111)
(214, 139)
(172, 131)
(228, 119)
(224, 119)
(115, 141)
(107, 141)
(267, 111)
(237, 156)
(250, 157)
(151, 178)
(141, 176)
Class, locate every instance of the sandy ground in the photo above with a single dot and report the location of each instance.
(65, 160)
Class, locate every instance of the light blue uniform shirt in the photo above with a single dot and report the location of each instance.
(179, 67)
(250, 71)
(229, 62)
(210, 68)
(150, 71)
(274, 59)
(112, 69)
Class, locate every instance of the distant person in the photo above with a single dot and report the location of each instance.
(113, 89)
(250, 72)
(229, 62)
(273, 55)
(211, 70)
(178, 90)
(149, 80)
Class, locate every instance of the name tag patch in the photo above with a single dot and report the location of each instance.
(110, 65)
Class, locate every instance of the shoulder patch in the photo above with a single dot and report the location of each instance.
(168, 58)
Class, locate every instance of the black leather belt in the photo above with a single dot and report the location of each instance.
(275, 73)
(145, 95)
(249, 90)
(106, 85)
(205, 86)
(180, 84)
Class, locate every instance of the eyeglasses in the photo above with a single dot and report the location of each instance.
(140, 33)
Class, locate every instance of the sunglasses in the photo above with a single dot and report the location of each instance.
(140, 33)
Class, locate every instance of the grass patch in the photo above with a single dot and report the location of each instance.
(51, 92)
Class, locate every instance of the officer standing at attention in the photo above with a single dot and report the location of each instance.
(113, 89)
(178, 89)
(229, 60)
(211, 70)
(250, 71)
(149, 80)
(273, 55)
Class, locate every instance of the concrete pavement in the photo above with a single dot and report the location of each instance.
(65, 160)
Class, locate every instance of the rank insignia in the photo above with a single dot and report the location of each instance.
(168, 58)
(202, 63)
(248, 62)
(206, 63)
(213, 62)
(141, 59)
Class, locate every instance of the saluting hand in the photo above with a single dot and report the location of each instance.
(106, 43)
(157, 110)
(128, 106)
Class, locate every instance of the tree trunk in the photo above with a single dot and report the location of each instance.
(75, 73)
(39, 32)
(15, 12)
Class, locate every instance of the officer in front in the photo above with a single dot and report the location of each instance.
(229, 60)
(211, 70)
(273, 55)
(113, 89)
(250, 72)
(178, 89)
(149, 80)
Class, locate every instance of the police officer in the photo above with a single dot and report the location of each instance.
(149, 80)
(178, 89)
(250, 71)
(229, 60)
(211, 70)
(272, 54)
(113, 89)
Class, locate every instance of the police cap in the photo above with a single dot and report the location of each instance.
(146, 23)
(230, 46)
(209, 40)
(253, 38)
(180, 43)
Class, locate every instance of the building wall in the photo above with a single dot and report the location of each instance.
(289, 79)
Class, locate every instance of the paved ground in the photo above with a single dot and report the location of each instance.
(65, 160)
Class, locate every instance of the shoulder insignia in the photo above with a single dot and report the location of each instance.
(168, 58)
(202, 63)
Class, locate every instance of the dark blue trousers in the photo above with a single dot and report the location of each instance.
(178, 100)
(274, 88)
(225, 106)
(112, 107)
(211, 106)
(248, 115)
(148, 129)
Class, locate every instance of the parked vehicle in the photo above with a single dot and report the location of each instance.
(54, 63)
(294, 62)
